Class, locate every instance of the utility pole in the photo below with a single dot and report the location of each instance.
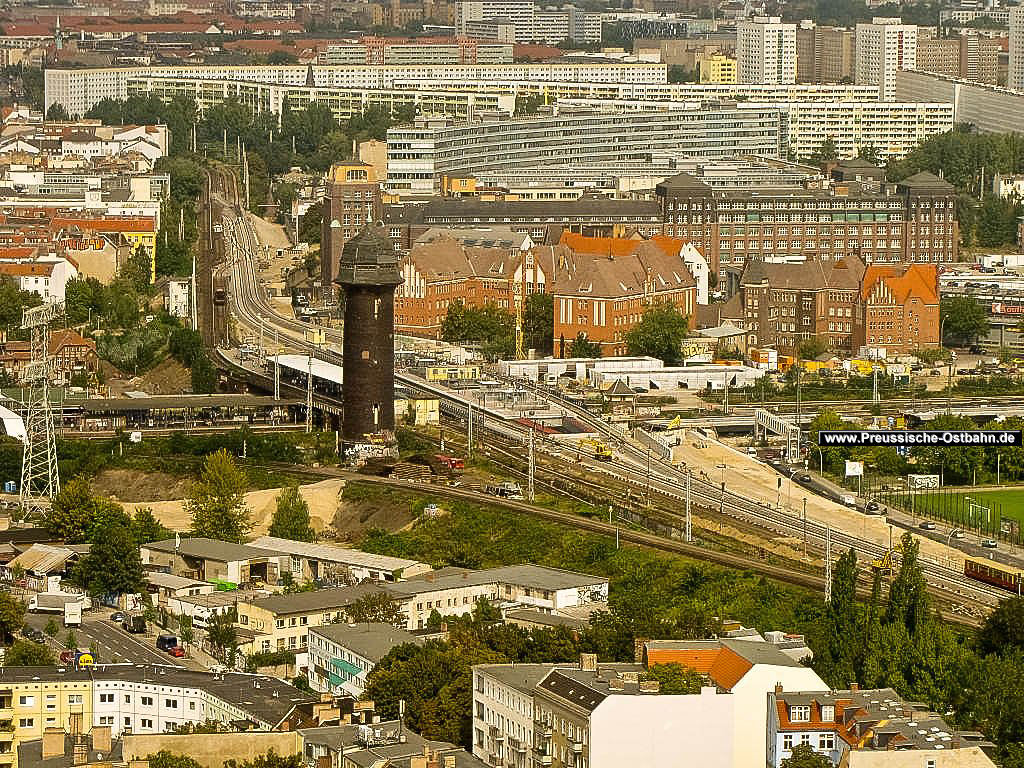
(532, 469)
(828, 564)
(689, 530)
(277, 375)
(309, 394)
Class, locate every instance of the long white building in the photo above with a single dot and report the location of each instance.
(884, 47)
(80, 89)
(420, 155)
(766, 51)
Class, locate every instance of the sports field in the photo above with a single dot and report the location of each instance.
(985, 509)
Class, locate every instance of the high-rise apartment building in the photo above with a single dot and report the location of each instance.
(717, 69)
(834, 54)
(884, 47)
(766, 51)
(971, 57)
(1015, 76)
(806, 53)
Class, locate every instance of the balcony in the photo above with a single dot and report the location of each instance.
(516, 745)
(542, 729)
(543, 760)
(496, 735)
(576, 746)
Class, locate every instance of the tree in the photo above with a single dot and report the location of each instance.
(869, 154)
(217, 500)
(58, 113)
(812, 348)
(76, 516)
(826, 153)
(70, 640)
(659, 334)
(1003, 629)
(113, 565)
(137, 270)
(539, 322)
(581, 346)
(676, 679)
(489, 327)
(23, 653)
(221, 632)
(375, 608)
(185, 631)
(269, 760)
(677, 73)
(962, 318)
(908, 598)
(146, 528)
(291, 518)
(804, 756)
(51, 629)
(12, 616)
(166, 759)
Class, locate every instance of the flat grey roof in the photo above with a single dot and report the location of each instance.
(212, 549)
(318, 600)
(523, 677)
(545, 619)
(333, 554)
(525, 575)
(372, 641)
(170, 581)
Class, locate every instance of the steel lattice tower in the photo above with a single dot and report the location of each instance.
(39, 478)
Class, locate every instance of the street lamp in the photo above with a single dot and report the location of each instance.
(789, 498)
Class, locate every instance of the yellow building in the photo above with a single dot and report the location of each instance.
(28, 706)
(717, 69)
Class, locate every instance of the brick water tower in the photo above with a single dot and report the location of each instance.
(368, 275)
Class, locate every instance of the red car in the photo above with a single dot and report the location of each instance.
(177, 651)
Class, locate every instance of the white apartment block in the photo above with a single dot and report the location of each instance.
(1015, 74)
(892, 129)
(47, 277)
(766, 51)
(341, 656)
(80, 89)
(884, 47)
(421, 154)
(520, 13)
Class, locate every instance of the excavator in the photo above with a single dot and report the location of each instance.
(883, 564)
(599, 450)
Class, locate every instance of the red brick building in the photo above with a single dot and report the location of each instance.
(603, 285)
(897, 308)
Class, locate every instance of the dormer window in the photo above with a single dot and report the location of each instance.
(800, 713)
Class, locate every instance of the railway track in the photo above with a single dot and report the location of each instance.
(251, 309)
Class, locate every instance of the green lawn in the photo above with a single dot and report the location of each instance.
(982, 509)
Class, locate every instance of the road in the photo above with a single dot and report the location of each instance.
(112, 643)
(251, 310)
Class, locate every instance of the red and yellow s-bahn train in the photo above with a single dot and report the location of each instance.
(999, 575)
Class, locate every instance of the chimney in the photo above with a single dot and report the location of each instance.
(854, 687)
(588, 662)
(80, 753)
(53, 743)
(778, 689)
(649, 686)
(638, 648)
(101, 741)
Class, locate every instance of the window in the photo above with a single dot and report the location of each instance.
(26, 722)
(127, 699)
(171, 703)
(147, 701)
(106, 698)
(192, 705)
(826, 742)
(127, 722)
(805, 738)
(146, 723)
(26, 701)
(828, 713)
(800, 713)
(787, 741)
(75, 698)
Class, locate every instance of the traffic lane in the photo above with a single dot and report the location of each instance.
(138, 649)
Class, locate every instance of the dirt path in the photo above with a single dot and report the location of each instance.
(321, 497)
(758, 481)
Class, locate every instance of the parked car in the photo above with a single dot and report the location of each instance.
(177, 651)
(871, 506)
(989, 543)
(804, 478)
(166, 642)
(117, 616)
(927, 525)
(958, 534)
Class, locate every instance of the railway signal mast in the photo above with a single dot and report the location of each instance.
(40, 480)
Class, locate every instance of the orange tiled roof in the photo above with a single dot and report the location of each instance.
(918, 280)
(603, 246)
(105, 224)
(15, 269)
(722, 665)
